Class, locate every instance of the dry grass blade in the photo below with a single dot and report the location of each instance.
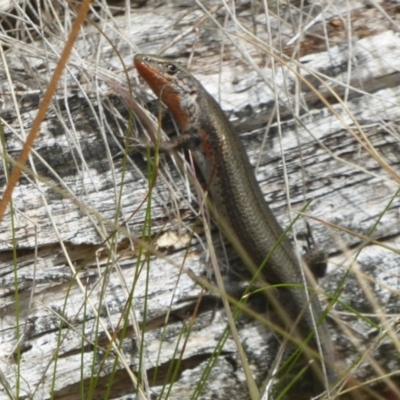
(16, 173)
(107, 287)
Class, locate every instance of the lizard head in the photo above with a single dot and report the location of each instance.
(172, 84)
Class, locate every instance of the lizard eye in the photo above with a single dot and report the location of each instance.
(171, 68)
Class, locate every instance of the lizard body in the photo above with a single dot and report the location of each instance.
(223, 162)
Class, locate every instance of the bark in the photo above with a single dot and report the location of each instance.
(320, 123)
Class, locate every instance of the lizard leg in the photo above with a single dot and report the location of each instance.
(188, 141)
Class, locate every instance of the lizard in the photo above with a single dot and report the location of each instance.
(222, 160)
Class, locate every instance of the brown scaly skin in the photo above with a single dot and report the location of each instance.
(236, 195)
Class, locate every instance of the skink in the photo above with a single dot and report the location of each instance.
(236, 195)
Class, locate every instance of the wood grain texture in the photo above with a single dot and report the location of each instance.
(78, 190)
